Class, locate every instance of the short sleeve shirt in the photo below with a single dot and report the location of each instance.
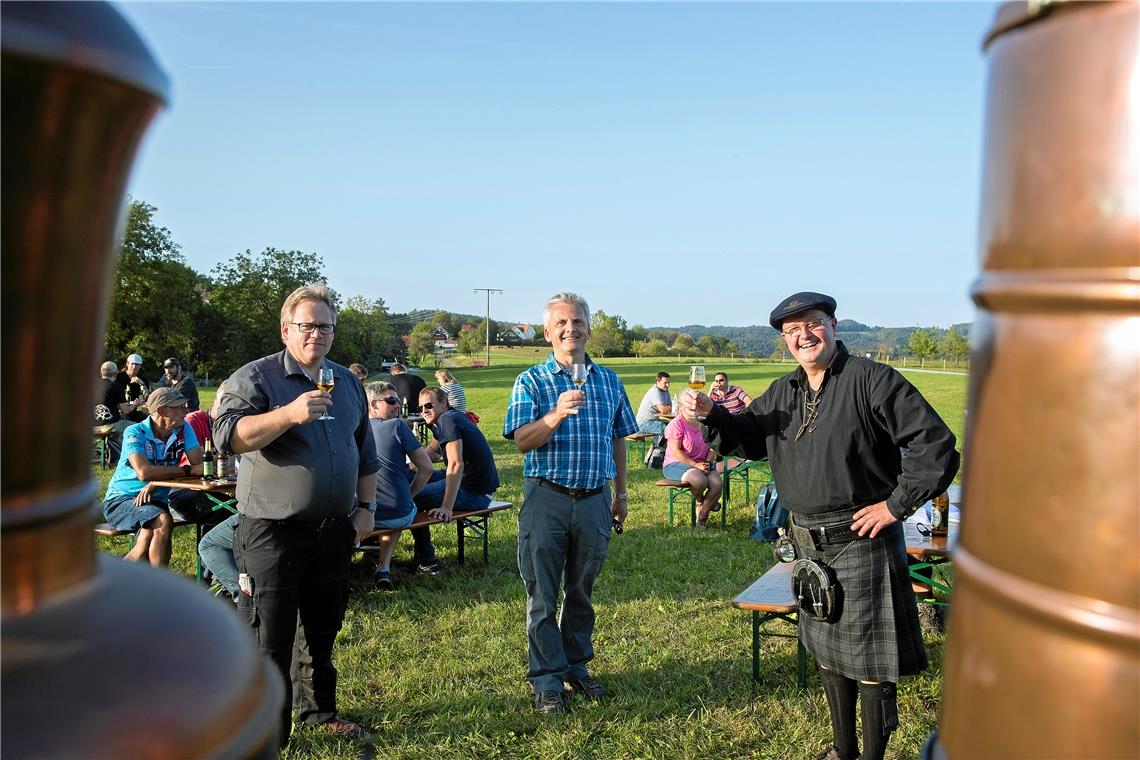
(394, 441)
(692, 441)
(480, 476)
(646, 410)
(140, 439)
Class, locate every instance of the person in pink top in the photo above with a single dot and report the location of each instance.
(689, 458)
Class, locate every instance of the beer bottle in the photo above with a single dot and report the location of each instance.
(221, 465)
(208, 471)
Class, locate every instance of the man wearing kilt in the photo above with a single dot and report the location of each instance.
(854, 449)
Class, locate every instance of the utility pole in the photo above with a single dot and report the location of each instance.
(487, 320)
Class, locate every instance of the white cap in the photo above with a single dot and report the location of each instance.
(134, 359)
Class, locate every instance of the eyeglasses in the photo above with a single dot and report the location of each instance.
(429, 406)
(811, 325)
(308, 327)
(393, 400)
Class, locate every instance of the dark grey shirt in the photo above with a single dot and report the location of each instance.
(309, 472)
(186, 387)
(875, 439)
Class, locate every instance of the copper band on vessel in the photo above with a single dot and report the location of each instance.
(1043, 658)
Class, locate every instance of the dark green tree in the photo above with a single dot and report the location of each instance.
(247, 293)
(608, 335)
(362, 333)
(921, 344)
(156, 299)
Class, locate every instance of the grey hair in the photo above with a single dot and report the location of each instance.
(376, 389)
(568, 298)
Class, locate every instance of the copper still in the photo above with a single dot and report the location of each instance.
(101, 658)
(1043, 659)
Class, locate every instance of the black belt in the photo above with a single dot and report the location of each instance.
(822, 535)
(573, 493)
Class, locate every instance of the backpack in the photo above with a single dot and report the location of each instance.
(655, 456)
(770, 515)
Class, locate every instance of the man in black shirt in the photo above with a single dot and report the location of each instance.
(855, 449)
(407, 387)
(110, 408)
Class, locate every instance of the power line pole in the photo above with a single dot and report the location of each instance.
(488, 291)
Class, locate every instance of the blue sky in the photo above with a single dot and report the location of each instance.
(673, 163)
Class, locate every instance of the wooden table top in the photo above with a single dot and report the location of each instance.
(197, 484)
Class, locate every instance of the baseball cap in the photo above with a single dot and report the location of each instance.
(108, 367)
(172, 362)
(134, 359)
(801, 302)
(164, 397)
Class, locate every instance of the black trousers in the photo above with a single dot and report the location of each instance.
(299, 577)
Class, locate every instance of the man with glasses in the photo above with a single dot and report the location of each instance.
(573, 447)
(731, 397)
(396, 483)
(855, 449)
(305, 490)
(151, 450)
(468, 479)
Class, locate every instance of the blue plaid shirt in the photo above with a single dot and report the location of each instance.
(579, 453)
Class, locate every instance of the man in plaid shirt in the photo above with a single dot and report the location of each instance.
(572, 440)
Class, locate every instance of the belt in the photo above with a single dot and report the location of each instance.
(822, 535)
(573, 493)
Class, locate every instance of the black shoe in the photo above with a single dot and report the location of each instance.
(588, 688)
(549, 702)
(703, 522)
(383, 581)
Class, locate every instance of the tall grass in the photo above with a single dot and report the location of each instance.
(438, 668)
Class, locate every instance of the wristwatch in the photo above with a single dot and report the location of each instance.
(369, 505)
(186, 470)
(622, 496)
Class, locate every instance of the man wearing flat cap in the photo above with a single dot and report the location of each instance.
(855, 449)
(151, 450)
(174, 377)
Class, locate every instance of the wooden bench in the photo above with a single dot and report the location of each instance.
(637, 439)
(770, 598)
(469, 523)
(107, 531)
(677, 488)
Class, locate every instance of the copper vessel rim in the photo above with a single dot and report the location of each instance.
(1082, 613)
(1115, 289)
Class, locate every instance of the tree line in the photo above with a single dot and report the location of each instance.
(216, 322)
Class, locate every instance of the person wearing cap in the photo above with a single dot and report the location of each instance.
(305, 493)
(110, 408)
(151, 451)
(174, 377)
(855, 449)
(574, 472)
(135, 388)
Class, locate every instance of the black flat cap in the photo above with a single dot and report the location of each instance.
(799, 302)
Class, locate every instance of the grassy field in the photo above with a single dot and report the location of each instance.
(437, 669)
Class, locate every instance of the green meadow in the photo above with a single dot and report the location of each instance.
(437, 669)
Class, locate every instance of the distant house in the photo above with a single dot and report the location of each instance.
(520, 333)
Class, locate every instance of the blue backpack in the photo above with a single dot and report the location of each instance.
(770, 515)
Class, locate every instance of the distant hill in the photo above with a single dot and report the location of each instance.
(760, 340)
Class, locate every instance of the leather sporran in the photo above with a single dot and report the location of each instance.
(817, 589)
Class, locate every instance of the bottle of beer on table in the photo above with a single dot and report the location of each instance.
(221, 465)
(208, 471)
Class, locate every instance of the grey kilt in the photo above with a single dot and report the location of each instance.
(877, 636)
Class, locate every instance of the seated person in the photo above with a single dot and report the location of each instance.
(360, 371)
(134, 387)
(110, 410)
(689, 458)
(217, 552)
(193, 506)
(656, 401)
(456, 396)
(151, 450)
(731, 397)
(469, 478)
(174, 377)
(396, 484)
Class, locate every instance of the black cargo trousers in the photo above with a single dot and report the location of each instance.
(294, 578)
